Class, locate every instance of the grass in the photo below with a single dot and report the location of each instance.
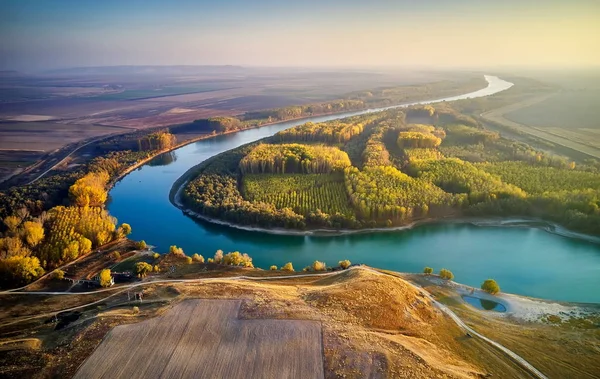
(301, 192)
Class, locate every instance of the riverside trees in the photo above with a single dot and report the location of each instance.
(294, 158)
(399, 172)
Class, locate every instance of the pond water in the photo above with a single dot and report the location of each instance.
(483, 304)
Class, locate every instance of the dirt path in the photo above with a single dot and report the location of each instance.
(497, 116)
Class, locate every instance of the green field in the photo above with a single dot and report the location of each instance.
(537, 179)
(302, 193)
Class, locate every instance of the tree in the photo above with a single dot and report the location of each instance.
(142, 269)
(33, 232)
(345, 264)
(319, 266)
(427, 270)
(490, 286)
(198, 258)
(176, 251)
(188, 260)
(218, 256)
(237, 259)
(105, 278)
(12, 223)
(124, 230)
(71, 252)
(446, 274)
(85, 245)
(288, 267)
(58, 274)
(20, 270)
(273, 268)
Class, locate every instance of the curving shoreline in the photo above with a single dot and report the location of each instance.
(540, 224)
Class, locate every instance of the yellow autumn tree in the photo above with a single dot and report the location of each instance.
(105, 278)
(33, 232)
(90, 190)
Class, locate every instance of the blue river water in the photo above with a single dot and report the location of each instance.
(523, 260)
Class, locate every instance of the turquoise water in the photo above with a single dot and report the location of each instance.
(525, 261)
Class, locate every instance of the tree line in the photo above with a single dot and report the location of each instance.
(293, 158)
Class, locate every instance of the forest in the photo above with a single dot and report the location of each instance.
(396, 167)
(62, 217)
(294, 158)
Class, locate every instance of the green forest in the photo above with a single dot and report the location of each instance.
(392, 168)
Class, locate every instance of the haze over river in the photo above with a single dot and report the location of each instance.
(526, 261)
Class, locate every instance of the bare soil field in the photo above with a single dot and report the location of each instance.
(47, 136)
(206, 339)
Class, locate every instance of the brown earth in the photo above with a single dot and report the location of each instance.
(372, 325)
(206, 339)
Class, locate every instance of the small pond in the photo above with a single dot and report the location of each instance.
(483, 304)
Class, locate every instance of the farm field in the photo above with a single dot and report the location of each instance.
(302, 193)
(205, 339)
(47, 136)
(561, 137)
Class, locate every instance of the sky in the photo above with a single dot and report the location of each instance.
(47, 34)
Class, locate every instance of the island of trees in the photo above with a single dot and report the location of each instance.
(392, 168)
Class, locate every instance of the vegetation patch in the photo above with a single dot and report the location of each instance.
(294, 158)
(302, 193)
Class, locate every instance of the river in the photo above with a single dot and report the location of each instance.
(523, 260)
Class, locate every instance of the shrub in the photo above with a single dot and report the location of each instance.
(288, 267)
(141, 269)
(210, 260)
(198, 258)
(155, 256)
(237, 259)
(176, 251)
(156, 268)
(446, 274)
(319, 266)
(117, 255)
(58, 274)
(141, 245)
(273, 268)
(135, 310)
(188, 260)
(427, 270)
(124, 230)
(306, 269)
(345, 264)
(218, 256)
(105, 278)
(490, 286)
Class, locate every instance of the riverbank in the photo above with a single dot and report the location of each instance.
(517, 307)
(552, 228)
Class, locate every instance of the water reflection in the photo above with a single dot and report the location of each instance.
(164, 159)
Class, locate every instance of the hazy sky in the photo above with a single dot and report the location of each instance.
(37, 34)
